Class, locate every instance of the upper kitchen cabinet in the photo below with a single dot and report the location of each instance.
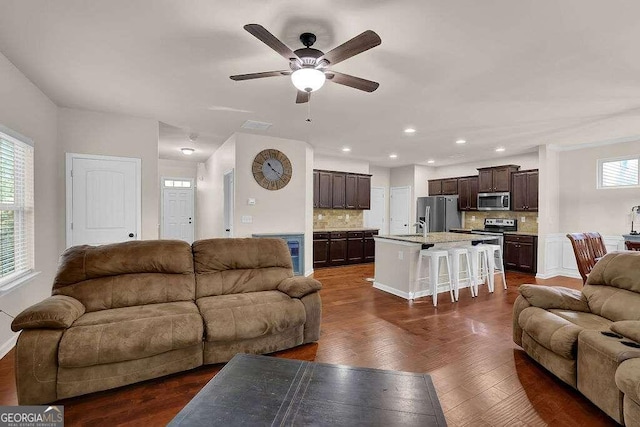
(468, 193)
(495, 179)
(524, 188)
(325, 193)
(435, 187)
(340, 190)
(450, 186)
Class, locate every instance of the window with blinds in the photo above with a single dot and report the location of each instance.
(617, 173)
(16, 209)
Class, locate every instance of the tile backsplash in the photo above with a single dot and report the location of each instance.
(530, 225)
(337, 218)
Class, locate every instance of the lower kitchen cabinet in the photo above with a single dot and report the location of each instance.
(520, 252)
(335, 248)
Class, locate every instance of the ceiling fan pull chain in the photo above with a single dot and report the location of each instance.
(309, 111)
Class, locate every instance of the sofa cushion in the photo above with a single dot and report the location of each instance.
(628, 328)
(130, 333)
(554, 297)
(550, 331)
(55, 312)
(127, 274)
(613, 303)
(249, 315)
(584, 320)
(619, 270)
(232, 266)
(628, 379)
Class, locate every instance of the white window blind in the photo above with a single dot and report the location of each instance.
(16, 209)
(618, 173)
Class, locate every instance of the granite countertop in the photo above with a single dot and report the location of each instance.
(328, 230)
(464, 230)
(437, 238)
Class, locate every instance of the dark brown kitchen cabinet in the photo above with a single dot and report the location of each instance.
(363, 192)
(325, 199)
(320, 250)
(435, 187)
(495, 179)
(524, 188)
(450, 186)
(520, 252)
(355, 247)
(468, 193)
(369, 246)
(316, 188)
(351, 191)
(338, 190)
(338, 248)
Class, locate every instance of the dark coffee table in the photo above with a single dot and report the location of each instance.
(261, 390)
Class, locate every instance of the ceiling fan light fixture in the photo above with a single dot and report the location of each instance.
(187, 151)
(308, 79)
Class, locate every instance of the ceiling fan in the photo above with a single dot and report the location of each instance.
(308, 66)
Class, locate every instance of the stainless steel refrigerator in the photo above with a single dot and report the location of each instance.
(441, 211)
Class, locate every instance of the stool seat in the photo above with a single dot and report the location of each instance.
(435, 275)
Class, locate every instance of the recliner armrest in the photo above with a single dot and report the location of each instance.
(56, 312)
(558, 297)
(299, 286)
(628, 329)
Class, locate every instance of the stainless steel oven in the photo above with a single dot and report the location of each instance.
(494, 201)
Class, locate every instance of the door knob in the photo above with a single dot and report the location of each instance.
(131, 234)
(227, 229)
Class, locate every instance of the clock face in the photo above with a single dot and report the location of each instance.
(272, 169)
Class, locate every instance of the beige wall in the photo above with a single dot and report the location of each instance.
(89, 132)
(340, 164)
(26, 110)
(582, 206)
(210, 190)
(177, 169)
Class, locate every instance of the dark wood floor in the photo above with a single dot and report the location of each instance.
(481, 376)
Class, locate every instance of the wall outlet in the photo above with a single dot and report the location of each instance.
(251, 201)
(473, 217)
(523, 219)
(246, 219)
(347, 217)
(319, 216)
(400, 255)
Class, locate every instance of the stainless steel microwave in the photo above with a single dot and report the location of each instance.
(494, 201)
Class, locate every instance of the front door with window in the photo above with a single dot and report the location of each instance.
(177, 210)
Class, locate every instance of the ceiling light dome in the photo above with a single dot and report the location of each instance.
(187, 151)
(308, 79)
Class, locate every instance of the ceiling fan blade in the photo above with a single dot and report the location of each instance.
(250, 76)
(262, 34)
(302, 97)
(352, 81)
(356, 45)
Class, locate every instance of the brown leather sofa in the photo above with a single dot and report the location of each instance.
(590, 339)
(128, 312)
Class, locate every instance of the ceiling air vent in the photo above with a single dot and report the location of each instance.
(253, 125)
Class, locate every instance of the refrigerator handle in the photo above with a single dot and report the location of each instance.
(426, 219)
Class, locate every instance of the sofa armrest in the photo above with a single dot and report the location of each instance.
(56, 312)
(628, 329)
(299, 286)
(558, 297)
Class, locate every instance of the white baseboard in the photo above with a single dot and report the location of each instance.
(308, 273)
(8, 345)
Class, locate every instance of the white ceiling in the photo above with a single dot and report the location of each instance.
(494, 72)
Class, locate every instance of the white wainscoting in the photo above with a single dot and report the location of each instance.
(559, 259)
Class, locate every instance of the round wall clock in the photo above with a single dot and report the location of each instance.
(272, 169)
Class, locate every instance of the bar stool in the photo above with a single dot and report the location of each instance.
(435, 273)
(496, 265)
(479, 265)
(456, 255)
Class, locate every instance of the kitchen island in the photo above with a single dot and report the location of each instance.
(397, 259)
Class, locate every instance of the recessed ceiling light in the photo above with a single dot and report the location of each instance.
(187, 151)
(346, 149)
(431, 161)
(409, 130)
(393, 156)
(500, 149)
(461, 141)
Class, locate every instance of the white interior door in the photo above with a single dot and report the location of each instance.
(228, 204)
(399, 210)
(103, 199)
(177, 212)
(375, 217)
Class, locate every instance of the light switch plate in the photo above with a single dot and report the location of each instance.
(247, 219)
(523, 219)
(251, 201)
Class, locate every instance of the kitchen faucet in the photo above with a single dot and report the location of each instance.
(423, 225)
